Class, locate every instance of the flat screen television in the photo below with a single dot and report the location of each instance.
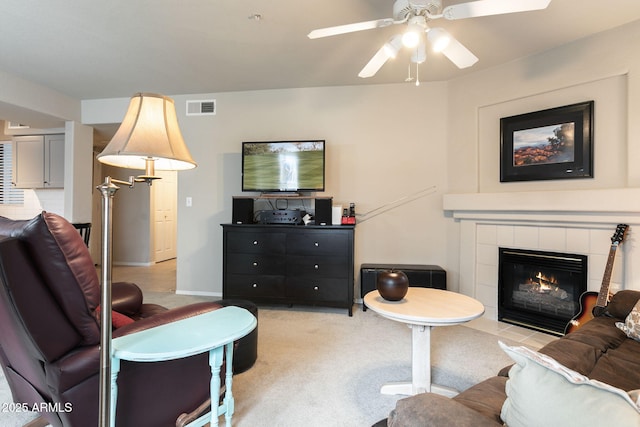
(283, 166)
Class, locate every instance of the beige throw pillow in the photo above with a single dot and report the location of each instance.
(631, 325)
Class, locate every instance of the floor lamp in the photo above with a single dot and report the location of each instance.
(149, 138)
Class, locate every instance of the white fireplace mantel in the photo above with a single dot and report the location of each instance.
(579, 221)
(580, 206)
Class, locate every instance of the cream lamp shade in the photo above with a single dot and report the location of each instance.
(149, 133)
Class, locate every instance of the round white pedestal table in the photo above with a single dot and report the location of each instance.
(422, 309)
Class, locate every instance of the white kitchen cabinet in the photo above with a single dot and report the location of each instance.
(38, 161)
(54, 161)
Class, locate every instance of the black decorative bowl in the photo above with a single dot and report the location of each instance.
(392, 284)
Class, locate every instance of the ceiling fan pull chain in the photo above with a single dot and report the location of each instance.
(409, 78)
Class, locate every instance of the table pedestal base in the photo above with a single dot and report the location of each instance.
(420, 368)
(407, 389)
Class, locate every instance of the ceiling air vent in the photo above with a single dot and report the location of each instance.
(201, 108)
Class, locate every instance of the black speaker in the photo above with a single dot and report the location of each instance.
(323, 211)
(242, 212)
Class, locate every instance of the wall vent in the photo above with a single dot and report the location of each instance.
(14, 125)
(201, 108)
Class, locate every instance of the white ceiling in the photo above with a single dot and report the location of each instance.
(91, 49)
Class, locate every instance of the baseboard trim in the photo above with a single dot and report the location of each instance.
(132, 264)
(199, 293)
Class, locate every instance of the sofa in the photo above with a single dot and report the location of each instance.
(50, 334)
(588, 377)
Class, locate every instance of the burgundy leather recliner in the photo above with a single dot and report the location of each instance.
(50, 333)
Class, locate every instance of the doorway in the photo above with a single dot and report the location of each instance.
(164, 202)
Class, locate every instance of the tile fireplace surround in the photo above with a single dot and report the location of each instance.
(580, 222)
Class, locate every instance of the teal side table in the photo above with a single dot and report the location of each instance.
(213, 332)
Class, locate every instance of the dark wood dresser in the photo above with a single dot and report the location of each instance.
(289, 264)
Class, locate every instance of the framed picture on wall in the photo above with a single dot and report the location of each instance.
(550, 144)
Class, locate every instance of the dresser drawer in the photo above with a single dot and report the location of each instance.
(310, 243)
(255, 264)
(254, 242)
(246, 286)
(317, 266)
(314, 290)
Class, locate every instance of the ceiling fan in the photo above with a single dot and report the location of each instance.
(417, 14)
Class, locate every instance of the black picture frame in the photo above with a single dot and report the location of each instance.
(549, 144)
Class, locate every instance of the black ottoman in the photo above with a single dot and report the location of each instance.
(245, 351)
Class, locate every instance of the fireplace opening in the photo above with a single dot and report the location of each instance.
(540, 290)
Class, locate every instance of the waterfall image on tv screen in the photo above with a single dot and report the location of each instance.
(283, 166)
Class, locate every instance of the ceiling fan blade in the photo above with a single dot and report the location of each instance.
(375, 63)
(457, 53)
(350, 28)
(492, 7)
(388, 50)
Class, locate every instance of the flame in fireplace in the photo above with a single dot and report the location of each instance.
(546, 283)
(543, 284)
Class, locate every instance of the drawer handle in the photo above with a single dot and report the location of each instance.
(316, 244)
(315, 288)
(255, 264)
(255, 242)
(316, 266)
(255, 285)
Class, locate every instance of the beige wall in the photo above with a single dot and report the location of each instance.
(22, 101)
(604, 67)
(383, 143)
(78, 162)
(132, 226)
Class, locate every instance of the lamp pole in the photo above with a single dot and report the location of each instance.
(108, 189)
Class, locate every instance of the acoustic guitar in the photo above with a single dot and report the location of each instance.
(594, 303)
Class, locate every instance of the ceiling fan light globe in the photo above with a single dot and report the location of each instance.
(417, 26)
(410, 39)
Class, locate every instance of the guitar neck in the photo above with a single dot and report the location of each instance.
(603, 295)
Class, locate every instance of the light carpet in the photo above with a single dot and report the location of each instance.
(320, 367)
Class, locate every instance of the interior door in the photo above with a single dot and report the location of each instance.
(165, 194)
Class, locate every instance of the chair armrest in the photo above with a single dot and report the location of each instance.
(433, 410)
(622, 303)
(126, 298)
(83, 362)
(167, 317)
